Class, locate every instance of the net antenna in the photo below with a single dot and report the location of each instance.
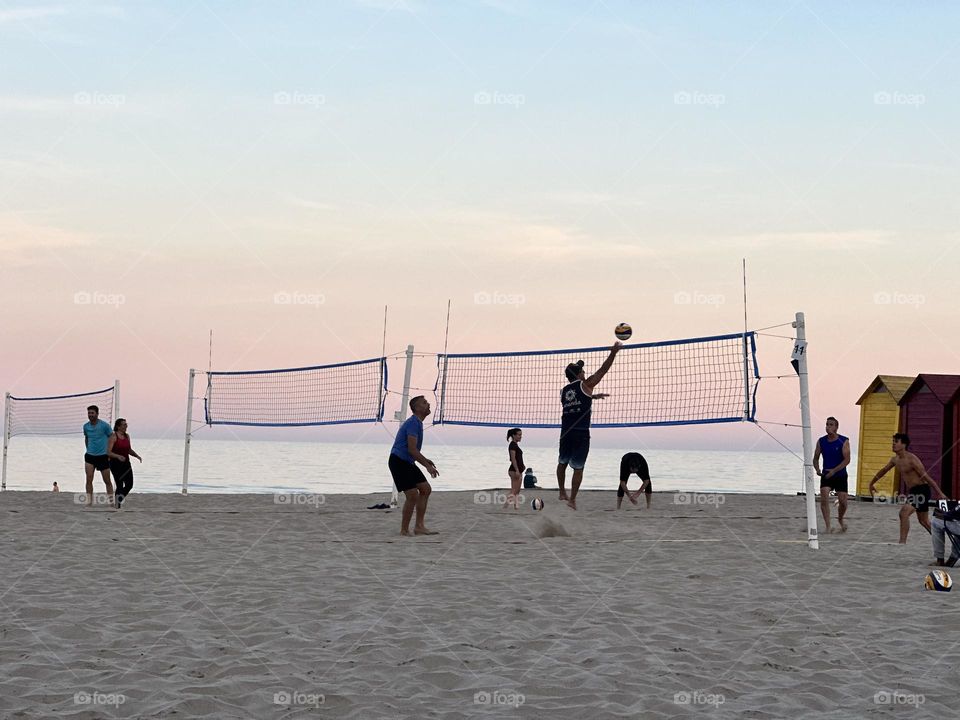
(54, 415)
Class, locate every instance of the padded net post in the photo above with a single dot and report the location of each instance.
(678, 382)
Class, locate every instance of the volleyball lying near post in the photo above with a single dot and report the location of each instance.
(938, 580)
(536, 504)
(623, 331)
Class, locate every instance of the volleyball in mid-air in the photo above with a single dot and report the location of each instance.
(623, 331)
(938, 580)
(536, 504)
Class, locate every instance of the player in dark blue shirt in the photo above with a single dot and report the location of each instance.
(577, 398)
(835, 449)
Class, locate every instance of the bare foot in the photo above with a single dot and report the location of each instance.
(937, 563)
(563, 496)
(843, 526)
(405, 533)
(572, 504)
(425, 531)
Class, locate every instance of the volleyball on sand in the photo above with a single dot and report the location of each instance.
(938, 580)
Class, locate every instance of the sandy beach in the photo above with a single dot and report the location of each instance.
(246, 606)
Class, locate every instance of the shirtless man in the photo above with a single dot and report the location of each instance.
(919, 485)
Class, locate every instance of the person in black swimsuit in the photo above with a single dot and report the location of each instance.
(516, 468)
(634, 462)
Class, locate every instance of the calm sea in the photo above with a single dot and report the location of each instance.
(229, 466)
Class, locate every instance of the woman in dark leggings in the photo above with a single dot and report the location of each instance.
(119, 453)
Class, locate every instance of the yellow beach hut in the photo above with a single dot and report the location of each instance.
(879, 420)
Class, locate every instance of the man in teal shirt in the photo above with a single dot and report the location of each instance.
(96, 434)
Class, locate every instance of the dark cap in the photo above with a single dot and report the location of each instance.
(573, 370)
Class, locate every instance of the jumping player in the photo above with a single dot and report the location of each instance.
(836, 456)
(577, 398)
(919, 484)
(634, 462)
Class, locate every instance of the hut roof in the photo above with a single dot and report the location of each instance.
(896, 385)
(943, 387)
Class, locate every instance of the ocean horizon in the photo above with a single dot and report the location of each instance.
(268, 466)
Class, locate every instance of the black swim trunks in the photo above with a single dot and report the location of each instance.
(837, 483)
(406, 475)
(99, 462)
(919, 497)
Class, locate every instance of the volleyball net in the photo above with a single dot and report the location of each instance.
(54, 415)
(350, 392)
(677, 382)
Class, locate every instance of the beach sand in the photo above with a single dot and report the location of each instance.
(240, 606)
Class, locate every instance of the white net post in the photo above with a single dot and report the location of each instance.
(6, 439)
(116, 400)
(401, 414)
(800, 352)
(188, 433)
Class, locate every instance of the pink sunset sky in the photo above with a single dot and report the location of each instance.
(165, 172)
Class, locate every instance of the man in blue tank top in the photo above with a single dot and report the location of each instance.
(576, 399)
(835, 449)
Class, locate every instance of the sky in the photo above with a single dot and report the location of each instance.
(280, 172)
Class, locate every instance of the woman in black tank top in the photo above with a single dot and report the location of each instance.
(515, 471)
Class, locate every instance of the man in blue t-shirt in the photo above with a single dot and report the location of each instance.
(96, 434)
(406, 475)
(835, 449)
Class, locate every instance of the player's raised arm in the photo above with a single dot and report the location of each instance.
(592, 381)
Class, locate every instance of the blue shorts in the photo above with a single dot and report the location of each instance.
(574, 448)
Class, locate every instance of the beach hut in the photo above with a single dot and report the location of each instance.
(926, 415)
(879, 420)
